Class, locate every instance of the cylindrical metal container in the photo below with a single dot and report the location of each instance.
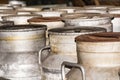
(94, 9)
(99, 7)
(67, 9)
(63, 48)
(99, 55)
(19, 49)
(116, 14)
(50, 13)
(100, 11)
(50, 22)
(4, 14)
(23, 12)
(91, 20)
(19, 19)
(6, 23)
(17, 2)
(6, 8)
(77, 15)
(32, 9)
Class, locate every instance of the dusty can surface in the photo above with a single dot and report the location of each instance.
(90, 20)
(19, 49)
(19, 19)
(63, 48)
(99, 55)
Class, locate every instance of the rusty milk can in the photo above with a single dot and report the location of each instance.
(98, 54)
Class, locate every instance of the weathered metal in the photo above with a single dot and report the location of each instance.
(99, 55)
(63, 48)
(50, 22)
(19, 49)
(6, 23)
(115, 12)
(19, 19)
(90, 20)
(67, 9)
(50, 13)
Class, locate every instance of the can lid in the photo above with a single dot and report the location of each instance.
(21, 28)
(45, 19)
(75, 30)
(99, 37)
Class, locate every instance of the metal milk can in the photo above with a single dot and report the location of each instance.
(19, 47)
(50, 22)
(19, 19)
(90, 20)
(98, 54)
(115, 12)
(62, 48)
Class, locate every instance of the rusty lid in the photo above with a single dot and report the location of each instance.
(44, 19)
(21, 28)
(99, 37)
(75, 30)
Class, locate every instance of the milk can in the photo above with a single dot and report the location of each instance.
(99, 55)
(67, 9)
(19, 47)
(91, 20)
(19, 19)
(77, 15)
(62, 48)
(50, 13)
(6, 23)
(99, 7)
(6, 8)
(27, 10)
(17, 2)
(101, 11)
(5, 14)
(93, 9)
(23, 12)
(115, 12)
(32, 9)
(50, 22)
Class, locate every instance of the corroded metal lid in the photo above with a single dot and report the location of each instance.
(99, 37)
(45, 19)
(21, 28)
(75, 30)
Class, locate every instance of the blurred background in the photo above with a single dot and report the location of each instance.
(67, 2)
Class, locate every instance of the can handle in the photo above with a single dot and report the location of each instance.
(72, 65)
(40, 53)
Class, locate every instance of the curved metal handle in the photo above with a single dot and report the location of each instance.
(40, 53)
(73, 65)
